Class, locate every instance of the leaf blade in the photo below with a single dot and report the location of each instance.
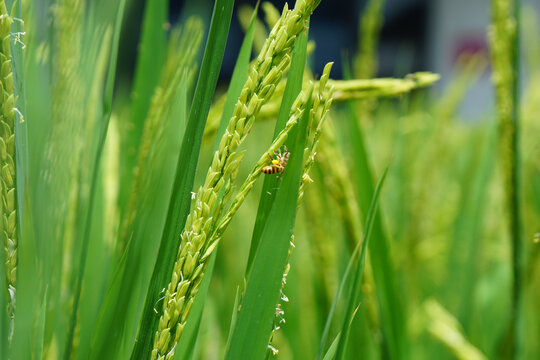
(355, 295)
(257, 307)
(292, 89)
(391, 304)
(185, 173)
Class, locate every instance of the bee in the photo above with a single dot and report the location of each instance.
(278, 164)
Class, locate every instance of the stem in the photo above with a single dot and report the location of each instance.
(513, 189)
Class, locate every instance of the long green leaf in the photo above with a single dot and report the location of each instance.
(130, 277)
(292, 89)
(390, 302)
(148, 225)
(331, 353)
(234, 316)
(355, 294)
(107, 106)
(150, 59)
(262, 292)
(151, 55)
(186, 345)
(185, 173)
(350, 265)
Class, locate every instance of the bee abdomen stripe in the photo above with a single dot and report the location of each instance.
(271, 169)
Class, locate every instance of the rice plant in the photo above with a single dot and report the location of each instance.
(283, 213)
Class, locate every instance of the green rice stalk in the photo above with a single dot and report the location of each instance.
(195, 249)
(365, 62)
(7, 157)
(504, 38)
(180, 62)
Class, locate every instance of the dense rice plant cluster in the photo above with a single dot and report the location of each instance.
(137, 220)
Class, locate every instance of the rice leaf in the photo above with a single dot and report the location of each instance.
(234, 316)
(123, 302)
(151, 56)
(269, 190)
(355, 294)
(185, 173)
(331, 353)
(132, 273)
(390, 302)
(107, 107)
(257, 308)
(150, 59)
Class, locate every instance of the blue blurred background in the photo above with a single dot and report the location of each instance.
(417, 35)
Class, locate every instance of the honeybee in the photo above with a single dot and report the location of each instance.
(278, 164)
